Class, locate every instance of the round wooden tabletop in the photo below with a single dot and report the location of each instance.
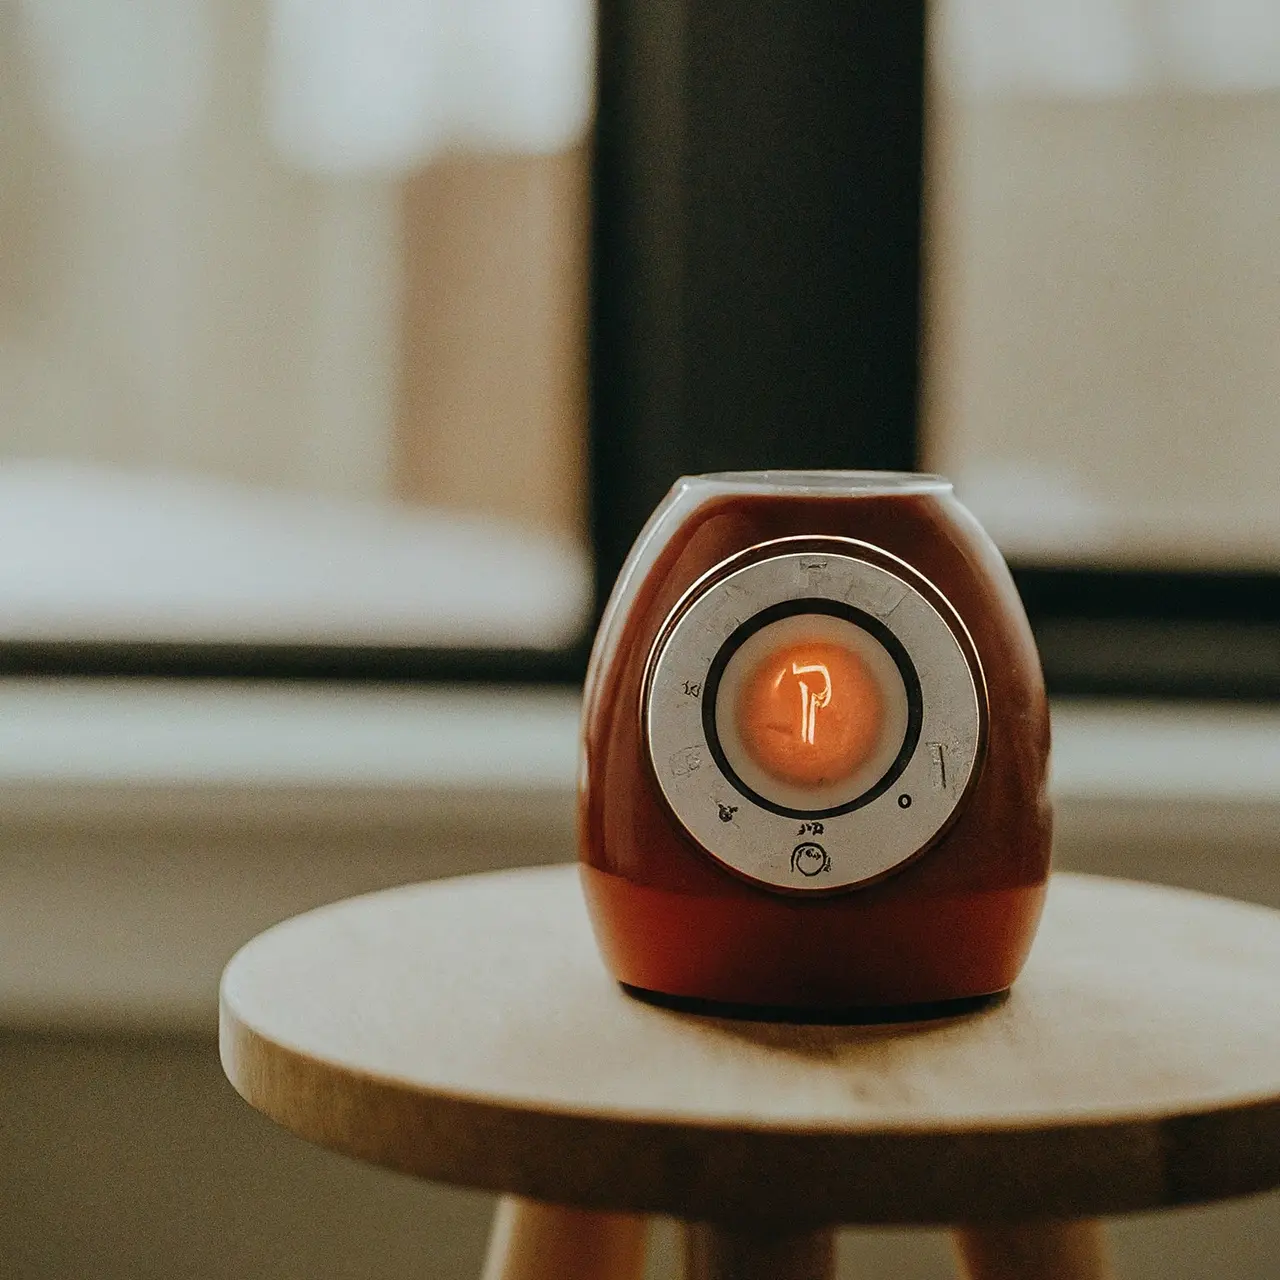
(466, 1031)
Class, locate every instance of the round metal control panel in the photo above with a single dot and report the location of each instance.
(813, 718)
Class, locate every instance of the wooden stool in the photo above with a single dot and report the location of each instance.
(466, 1031)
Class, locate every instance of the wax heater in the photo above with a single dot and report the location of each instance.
(815, 752)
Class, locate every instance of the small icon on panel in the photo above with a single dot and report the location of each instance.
(879, 596)
(938, 765)
(810, 859)
(685, 761)
(726, 811)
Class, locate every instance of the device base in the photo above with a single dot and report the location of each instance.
(857, 1016)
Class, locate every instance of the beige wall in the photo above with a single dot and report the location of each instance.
(180, 295)
(1104, 341)
(491, 412)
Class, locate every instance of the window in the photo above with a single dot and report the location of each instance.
(1100, 303)
(1105, 306)
(293, 308)
(292, 334)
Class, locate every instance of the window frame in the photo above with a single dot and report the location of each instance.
(685, 138)
(705, 210)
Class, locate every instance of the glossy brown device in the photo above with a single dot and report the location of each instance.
(815, 751)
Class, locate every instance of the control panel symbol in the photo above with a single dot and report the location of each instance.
(904, 801)
(810, 859)
(685, 761)
(879, 598)
(693, 688)
(810, 702)
(938, 765)
(726, 811)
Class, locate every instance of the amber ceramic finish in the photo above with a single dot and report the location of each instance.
(955, 922)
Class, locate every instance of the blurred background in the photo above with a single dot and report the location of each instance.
(343, 347)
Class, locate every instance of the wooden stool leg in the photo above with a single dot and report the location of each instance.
(1035, 1251)
(730, 1253)
(533, 1241)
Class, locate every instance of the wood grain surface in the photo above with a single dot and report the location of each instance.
(1035, 1251)
(466, 1031)
(532, 1241)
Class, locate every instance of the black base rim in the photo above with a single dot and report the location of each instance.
(850, 1016)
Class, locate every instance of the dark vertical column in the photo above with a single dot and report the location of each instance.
(714, 1252)
(756, 266)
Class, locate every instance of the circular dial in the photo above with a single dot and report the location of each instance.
(813, 720)
(807, 708)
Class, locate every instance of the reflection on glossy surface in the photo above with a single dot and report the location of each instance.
(810, 714)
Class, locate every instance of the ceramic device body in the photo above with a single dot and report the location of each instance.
(942, 906)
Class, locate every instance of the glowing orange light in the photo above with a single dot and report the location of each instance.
(810, 713)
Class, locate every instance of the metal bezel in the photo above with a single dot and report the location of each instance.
(878, 832)
(835, 608)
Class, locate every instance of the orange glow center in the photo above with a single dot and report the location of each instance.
(810, 713)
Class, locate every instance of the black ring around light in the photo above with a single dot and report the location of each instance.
(836, 609)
